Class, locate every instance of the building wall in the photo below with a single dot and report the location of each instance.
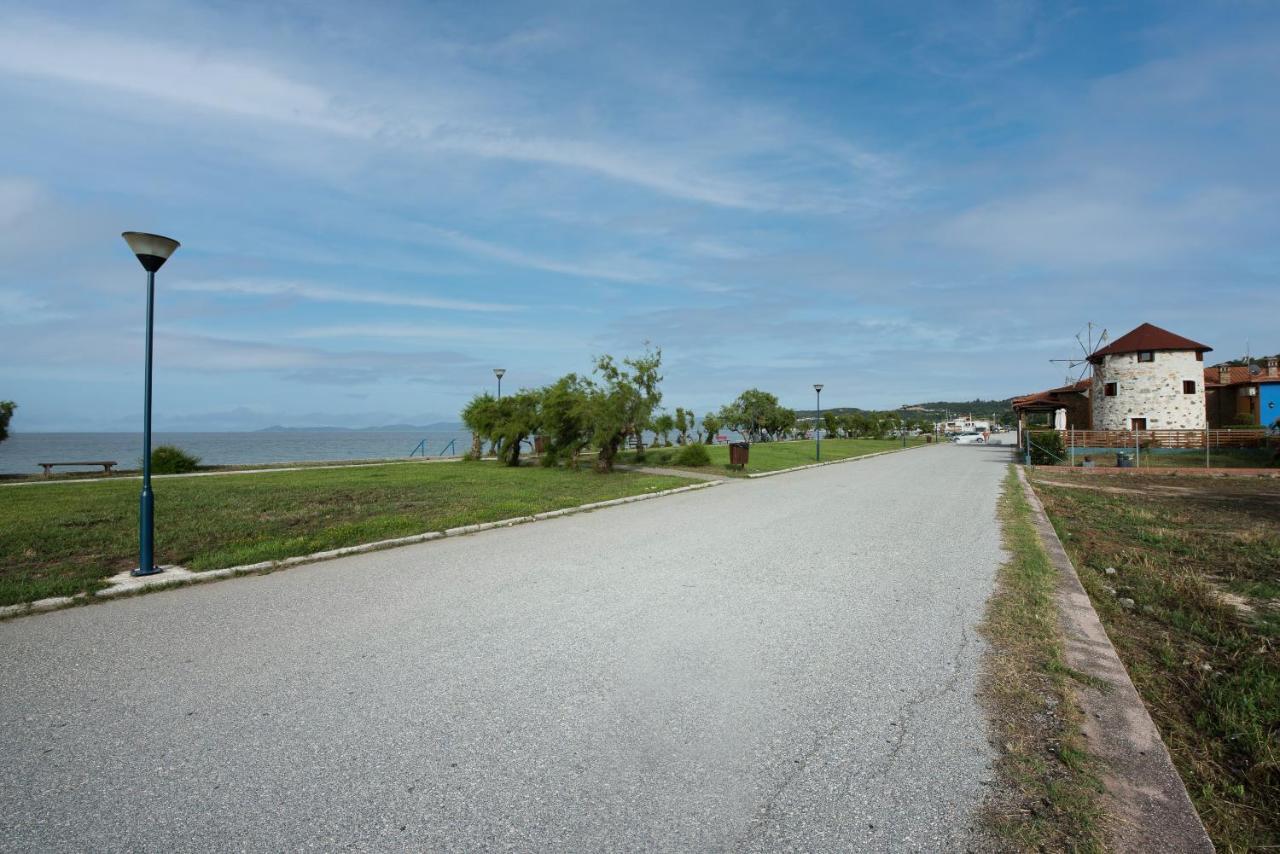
(1150, 390)
(1269, 402)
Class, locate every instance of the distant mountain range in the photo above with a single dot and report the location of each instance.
(438, 427)
(978, 408)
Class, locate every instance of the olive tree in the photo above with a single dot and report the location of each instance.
(684, 423)
(566, 419)
(712, 424)
(480, 417)
(662, 427)
(517, 416)
(6, 412)
(622, 400)
(751, 413)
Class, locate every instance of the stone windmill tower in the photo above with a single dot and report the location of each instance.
(1149, 379)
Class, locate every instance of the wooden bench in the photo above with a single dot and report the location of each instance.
(107, 465)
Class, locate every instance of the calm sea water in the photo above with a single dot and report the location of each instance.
(20, 453)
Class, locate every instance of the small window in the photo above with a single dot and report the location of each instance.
(1199, 355)
(1109, 389)
(1146, 356)
(1188, 386)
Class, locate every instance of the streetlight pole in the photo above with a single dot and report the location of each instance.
(152, 251)
(498, 372)
(817, 422)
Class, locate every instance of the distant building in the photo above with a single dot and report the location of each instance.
(1153, 379)
(965, 424)
(1149, 379)
(1239, 394)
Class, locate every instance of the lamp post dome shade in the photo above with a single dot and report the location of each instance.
(817, 386)
(499, 372)
(152, 249)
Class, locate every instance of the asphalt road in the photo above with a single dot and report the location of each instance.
(788, 663)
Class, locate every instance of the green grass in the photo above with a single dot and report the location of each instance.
(773, 456)
(1206, 665)
(1049, 800)
(63, 539)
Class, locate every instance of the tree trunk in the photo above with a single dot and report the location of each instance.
(609, 450)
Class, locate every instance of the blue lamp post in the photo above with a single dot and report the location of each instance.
(152, 251)
(817, 422)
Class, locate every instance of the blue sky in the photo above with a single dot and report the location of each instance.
(379, 204)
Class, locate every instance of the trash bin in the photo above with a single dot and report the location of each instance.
(539, 444)
(1124, 460)
(738, 453)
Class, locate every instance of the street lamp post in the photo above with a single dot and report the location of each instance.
(152, 251)
(817, 422)
(498, 372)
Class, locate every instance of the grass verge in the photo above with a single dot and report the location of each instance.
(1048, 797)
(1193, 609)
(62, 539)
(773, 456)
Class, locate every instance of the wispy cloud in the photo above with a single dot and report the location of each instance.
(328, 293)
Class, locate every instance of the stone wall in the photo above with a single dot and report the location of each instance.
(1151, 390)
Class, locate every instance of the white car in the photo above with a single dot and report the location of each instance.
(969, 439)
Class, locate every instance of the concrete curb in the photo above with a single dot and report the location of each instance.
(1145, 795)
(838, 462)
(185, 576)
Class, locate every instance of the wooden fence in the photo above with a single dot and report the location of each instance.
(1164, 438)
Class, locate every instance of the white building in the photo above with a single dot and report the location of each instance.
(1148, 379)
(965, 424)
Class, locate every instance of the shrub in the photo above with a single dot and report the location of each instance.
(663, 456)
(693, 455)
(170, 459)
(1047, 448)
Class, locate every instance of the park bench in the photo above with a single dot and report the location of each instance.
(107, 465)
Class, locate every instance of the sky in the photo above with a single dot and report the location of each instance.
(380, 203)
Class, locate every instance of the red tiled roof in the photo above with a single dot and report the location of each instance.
(1239, 376)
(1148, 337)
(1051, 396)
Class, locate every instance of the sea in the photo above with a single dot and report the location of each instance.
(21, 452)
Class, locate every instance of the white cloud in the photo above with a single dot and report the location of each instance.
(1096, 226)
(471, 116)
(326, 293)
(149, 68)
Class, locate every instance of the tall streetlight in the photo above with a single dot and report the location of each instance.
(817, 422)
(152, 250)
(498, 372)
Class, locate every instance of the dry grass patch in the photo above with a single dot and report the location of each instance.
(1048, 797)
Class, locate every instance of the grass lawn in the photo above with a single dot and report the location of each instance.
(63, 539)
(772, 456)
(1048, 800)
(1200, 558)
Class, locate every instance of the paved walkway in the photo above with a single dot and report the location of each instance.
(785, 663)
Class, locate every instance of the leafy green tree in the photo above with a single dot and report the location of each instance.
(662, 427)
(566, 419)
(712, 424)
(831, 423)
(780, 421)
(6, 412)
(622, 402)
(517, 417)
(684, 423)
(750, 413)
(480, 417)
